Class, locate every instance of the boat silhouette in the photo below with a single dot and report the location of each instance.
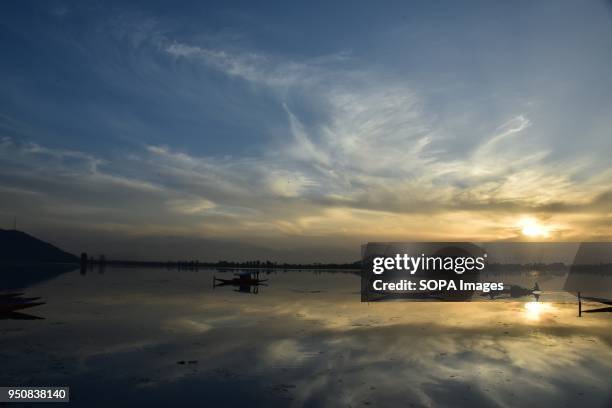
(241, 281)
(19, 316)
(13, 301)
(246, 282)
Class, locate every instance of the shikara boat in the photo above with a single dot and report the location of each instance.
(10, 295)
(240, 280)
(12, 304)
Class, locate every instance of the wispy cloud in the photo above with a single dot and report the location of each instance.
(367, 158)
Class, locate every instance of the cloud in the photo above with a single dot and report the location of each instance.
(378, 141)
(363, 155)
(253, 67)
(190, 207)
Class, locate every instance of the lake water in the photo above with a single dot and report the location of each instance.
(162, 337)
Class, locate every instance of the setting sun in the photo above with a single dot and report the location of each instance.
(531, 228)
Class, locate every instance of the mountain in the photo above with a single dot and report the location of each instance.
(19, 247)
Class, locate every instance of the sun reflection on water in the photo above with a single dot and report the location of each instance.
(534, 310)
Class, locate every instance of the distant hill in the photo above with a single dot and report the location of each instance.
(19, 247)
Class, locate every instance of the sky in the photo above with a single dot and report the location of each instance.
(298, 132)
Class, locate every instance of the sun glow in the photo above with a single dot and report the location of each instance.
(535, 309)
(530, 227)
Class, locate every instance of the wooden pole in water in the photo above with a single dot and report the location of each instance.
(579, 305)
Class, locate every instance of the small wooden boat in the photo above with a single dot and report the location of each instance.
(13, 304)
(19, 316)
(241, 281)
(10, 295)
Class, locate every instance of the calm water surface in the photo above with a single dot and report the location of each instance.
(158, 337)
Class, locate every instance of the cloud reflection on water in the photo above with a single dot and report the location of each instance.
(317, 347)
